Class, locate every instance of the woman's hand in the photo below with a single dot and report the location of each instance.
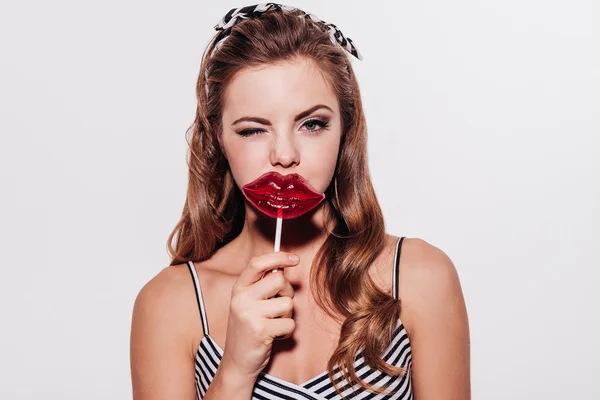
(256, 317)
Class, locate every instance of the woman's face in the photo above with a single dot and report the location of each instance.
(281, 117)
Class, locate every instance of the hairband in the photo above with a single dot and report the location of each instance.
(236, 15)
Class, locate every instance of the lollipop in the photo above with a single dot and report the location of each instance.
(282, 197)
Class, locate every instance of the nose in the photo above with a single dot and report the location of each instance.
(284, 151)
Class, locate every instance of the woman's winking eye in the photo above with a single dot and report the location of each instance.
(315, 122)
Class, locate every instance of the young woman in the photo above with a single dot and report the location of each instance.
(357, 313)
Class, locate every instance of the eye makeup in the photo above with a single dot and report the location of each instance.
(317, 124)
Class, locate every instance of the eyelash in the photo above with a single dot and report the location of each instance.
(323, 126)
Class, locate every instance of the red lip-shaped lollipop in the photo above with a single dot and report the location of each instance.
(285, 196)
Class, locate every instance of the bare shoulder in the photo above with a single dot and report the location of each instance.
(168, 298)
(165, 325)
(424, 264)
(435, 317)
(428, 281)
(427, 276)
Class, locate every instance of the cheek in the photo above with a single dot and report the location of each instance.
(319, 161)
(246, 161)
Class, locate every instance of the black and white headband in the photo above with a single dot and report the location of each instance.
(236, 15)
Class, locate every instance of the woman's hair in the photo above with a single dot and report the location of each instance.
(213, 214)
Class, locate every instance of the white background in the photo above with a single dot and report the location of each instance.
(483, 119)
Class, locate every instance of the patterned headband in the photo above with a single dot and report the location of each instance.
(237, 15)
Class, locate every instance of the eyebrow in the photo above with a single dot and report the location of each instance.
(296, 118)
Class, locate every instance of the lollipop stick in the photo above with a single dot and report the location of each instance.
(278, 235)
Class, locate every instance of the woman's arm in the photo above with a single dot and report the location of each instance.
(162, 365)
(162, 352)
(439, 329)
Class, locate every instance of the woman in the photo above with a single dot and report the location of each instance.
(353, 319)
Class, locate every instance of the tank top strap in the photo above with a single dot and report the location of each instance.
(199, 298)
(395, 286)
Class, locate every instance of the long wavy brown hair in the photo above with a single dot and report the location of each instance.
(213, 213)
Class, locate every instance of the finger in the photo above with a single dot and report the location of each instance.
(271, 285)
(277, 307)
(258, 265)
(280, 327)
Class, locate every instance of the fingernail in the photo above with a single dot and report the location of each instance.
(294, 257)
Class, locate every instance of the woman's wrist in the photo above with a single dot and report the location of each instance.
(230, 383)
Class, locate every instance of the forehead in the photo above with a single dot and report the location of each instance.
(278, 88)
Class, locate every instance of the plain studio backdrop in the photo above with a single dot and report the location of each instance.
(483, 119)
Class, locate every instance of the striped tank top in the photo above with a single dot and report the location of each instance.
(320, 387)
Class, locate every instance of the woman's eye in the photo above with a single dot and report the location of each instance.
(312, 125)
(315, 125)
(249, 132)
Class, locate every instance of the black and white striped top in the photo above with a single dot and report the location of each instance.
(320, 387)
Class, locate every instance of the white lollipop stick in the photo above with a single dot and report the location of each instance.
(278, 237)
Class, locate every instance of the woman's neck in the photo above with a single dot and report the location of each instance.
(303, 236)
